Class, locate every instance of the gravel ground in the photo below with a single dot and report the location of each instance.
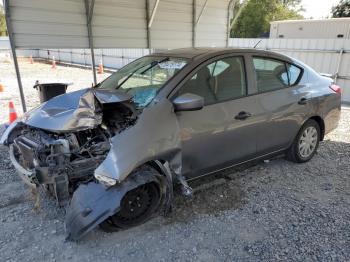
(269, 212)
(33, 72)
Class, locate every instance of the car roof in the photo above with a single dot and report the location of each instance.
(207, 52)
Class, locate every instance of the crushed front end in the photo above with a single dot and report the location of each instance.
(60, 144)
(60, 162)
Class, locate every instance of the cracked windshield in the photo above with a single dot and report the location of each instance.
(144, 77)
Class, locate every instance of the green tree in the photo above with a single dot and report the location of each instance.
(3, 31)
(342, 9)
(255, 18)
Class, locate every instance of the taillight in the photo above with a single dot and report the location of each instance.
(335, 88)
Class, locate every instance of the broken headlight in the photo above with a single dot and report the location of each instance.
(105, 180)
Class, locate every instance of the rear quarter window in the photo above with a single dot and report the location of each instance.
(294, 74)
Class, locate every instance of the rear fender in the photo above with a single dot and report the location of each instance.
(93, 203)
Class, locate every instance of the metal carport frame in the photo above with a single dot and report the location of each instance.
(115, 24)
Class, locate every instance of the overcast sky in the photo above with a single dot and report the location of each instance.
(313, 8)
(318, 8)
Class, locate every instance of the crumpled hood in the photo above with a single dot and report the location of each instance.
(75, 111)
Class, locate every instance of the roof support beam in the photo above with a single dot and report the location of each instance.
(229, 18)
(238, 13)
(154, 11)
(89, 7)
(202, 11)
(14, 54)
(195, 20)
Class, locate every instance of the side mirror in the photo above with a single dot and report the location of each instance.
(188, 102)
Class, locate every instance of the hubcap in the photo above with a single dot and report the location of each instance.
(308, 142)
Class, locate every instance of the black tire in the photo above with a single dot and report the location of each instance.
(137, 206)
(294, 153)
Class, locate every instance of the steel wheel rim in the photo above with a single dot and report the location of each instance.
(308, 142)
(127, 217)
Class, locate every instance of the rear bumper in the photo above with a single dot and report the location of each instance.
(331, 119)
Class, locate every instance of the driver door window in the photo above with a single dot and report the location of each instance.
(219, 81)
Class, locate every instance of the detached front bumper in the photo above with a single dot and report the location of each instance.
(27, 176)
(93, 203)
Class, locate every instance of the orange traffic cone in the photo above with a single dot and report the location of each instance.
(13, 114)
(2, 88)
(100, 68)
(31, 61)
(53, 63)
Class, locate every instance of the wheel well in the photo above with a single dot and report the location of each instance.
(320, 122)
(156, 166)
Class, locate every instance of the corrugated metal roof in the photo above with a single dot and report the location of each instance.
(117, 23)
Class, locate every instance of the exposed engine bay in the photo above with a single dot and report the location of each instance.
(62, 161)
(89, 149)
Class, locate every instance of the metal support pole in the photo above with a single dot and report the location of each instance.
(194, 27)
(89, 15)
(338, 65)
(148, 29)
(14, 55)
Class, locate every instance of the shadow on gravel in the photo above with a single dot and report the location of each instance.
(14, 201)
(212, 195)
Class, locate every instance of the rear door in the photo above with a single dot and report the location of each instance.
(223, 132)
(283, 102)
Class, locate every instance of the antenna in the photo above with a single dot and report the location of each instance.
(257, 43)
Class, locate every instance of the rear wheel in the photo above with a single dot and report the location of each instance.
(137, 206)
(306, 143)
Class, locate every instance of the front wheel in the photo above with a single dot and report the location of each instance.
(137, 206)
(306, 143)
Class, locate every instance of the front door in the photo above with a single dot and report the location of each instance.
(223, 132)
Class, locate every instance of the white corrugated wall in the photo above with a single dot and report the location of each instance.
(324, 55)
(311, 29)
(111, 58)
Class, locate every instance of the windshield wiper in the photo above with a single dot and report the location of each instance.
(153, 64)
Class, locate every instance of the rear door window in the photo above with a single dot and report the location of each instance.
(270, 74)
(273, 74)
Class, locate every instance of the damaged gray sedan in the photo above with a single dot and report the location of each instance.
(113, 153)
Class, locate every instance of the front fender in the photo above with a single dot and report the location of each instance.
(93, 203)
(4, 140)
(155, 135)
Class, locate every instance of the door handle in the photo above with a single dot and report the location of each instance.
(303, 101)
(243, 115)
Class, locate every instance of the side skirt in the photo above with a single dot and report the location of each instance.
(262, 157)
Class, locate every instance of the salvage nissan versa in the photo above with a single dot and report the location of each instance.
(113, 153)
